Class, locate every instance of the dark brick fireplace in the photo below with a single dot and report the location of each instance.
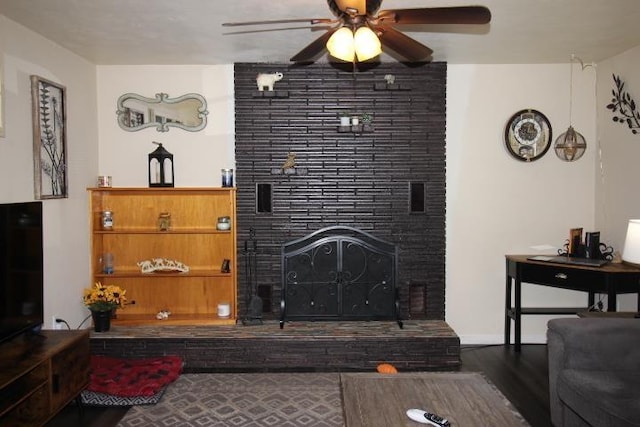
(386, 178)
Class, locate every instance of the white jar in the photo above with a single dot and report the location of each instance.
(224, 310)
(224, 223)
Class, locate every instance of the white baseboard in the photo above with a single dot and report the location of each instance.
(499, 339)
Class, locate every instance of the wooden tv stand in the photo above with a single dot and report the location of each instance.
(40, 374)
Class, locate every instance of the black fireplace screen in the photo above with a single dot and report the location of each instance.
(339, 273)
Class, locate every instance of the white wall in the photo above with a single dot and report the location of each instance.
(198, 156)
(497, 205)
(618, 174)
(66, 237)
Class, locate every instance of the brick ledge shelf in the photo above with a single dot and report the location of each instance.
(271, 94)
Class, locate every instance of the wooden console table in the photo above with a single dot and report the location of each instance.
(41, 374)
(611, 279)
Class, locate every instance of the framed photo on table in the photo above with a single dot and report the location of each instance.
(49, 107)
(575, 241)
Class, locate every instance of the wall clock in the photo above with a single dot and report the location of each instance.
(528, 135)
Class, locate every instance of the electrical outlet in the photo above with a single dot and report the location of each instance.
(54, 324)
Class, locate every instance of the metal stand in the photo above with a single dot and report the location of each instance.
(254, 302)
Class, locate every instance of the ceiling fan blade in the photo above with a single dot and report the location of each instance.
(271, 30)
(437, 15)
(280, 21)
(402, 44)
(309, 53)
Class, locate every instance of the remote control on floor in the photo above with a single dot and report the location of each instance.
(425, 417)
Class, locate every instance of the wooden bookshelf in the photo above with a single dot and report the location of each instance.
(192, 297)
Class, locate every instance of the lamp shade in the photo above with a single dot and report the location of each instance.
(631, 250)
(340, 45)
(367, 44)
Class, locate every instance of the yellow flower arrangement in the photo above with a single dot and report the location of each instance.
(104, 298)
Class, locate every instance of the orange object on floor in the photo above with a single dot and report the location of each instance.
(387, 368)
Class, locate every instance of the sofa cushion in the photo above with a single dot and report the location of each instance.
(133, 377)
(617, 340)
(602, 398)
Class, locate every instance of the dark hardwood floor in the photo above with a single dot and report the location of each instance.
(521, 377)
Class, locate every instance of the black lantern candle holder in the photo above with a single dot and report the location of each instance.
(160, 167)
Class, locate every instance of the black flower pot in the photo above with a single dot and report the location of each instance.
(101, 320)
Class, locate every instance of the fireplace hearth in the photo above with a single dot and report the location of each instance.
(339, 273)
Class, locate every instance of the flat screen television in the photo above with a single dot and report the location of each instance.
(21, 262)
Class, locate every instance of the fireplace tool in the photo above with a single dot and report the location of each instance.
(254, 302)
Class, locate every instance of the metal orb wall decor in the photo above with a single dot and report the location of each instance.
(624, 107)
(570, 145)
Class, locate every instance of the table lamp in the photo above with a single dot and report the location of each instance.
(631, 249)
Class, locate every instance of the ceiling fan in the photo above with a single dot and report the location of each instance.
(356, 18)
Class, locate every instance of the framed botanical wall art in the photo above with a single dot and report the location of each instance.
(49, 139)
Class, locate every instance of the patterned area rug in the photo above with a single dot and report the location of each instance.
(245, 400)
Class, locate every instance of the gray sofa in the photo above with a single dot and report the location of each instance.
(594, 371)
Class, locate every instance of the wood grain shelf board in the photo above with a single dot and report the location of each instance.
(174, 319)
(138, 274)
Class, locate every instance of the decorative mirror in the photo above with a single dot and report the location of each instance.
(188, 112)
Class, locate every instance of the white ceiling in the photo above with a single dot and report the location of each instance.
(190, 31)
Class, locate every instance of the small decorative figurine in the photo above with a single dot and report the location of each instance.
(290, 163)
(267, 80)
(164, 221)
(162, 265)
(390, 79)
(226, 266)
(163, 315)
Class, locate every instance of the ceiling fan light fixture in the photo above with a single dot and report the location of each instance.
(367, 44)
(350, 16)
(341, 44)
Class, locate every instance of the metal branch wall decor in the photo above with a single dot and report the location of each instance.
(624, 107)
(49, 139)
